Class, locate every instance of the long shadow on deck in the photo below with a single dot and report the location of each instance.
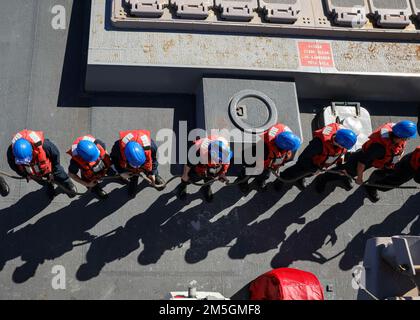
(266, 235)
(161, 227)
(394, 224)
(18, 214)
(54, 234)
(305, 244)
(165, 225)
(220, 233)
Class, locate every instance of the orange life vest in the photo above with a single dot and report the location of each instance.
(276, 157)
(40, 165)
(143, 138)
(91, 171)
(207, 168)
(331, 153)
(415, 159)
(393, 151)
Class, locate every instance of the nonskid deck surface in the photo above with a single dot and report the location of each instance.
(158, 243)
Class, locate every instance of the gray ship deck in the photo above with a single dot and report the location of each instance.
(159, 244)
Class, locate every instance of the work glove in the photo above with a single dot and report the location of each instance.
(223, 178)
(185, 178)
(91, 184)
(126, 175)
(50, 178)
(152, 179)
(359, 180)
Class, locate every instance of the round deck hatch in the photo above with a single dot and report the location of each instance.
(252, 111)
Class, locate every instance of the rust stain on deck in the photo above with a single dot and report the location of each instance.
(167, 45)
(147, 48)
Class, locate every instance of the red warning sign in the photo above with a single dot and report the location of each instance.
(315, 54)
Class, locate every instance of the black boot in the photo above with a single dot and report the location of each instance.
(208, 194)
(242, 181)
(347, 183)
(68, 184)
(244, 187)
(101, 193)
(372, 194)
(301, 184)
(278, 185)
(261, 184)
(320, 185)
(159, 181)
(181, 191)
(51, 191)
(132, 186)
(4, 187)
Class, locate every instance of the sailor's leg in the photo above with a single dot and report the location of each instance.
(261, 180)
(62, 178)
(4, 187)
(296, 174)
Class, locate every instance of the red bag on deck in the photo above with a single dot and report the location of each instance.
(286, 284)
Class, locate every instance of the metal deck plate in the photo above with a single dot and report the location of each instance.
(351, 13)
(281, 11)
(391, 13)
(152, 61)
(255, 98)
(269, 17)
(390, 4)
(194, 9)
(160, 244)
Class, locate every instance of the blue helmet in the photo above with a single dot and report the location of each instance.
(288, 141)
(219, 152)
(135, 155)
(88, 151)
(405, 129)
(22, 150)
(346, 138)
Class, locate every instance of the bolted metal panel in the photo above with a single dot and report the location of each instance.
(281, 11)
(146, 8)
(237, 10)
(348, 12)
(391, 4)
(247, 105)
(347, 3)
(391, 13)
(192, 9)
